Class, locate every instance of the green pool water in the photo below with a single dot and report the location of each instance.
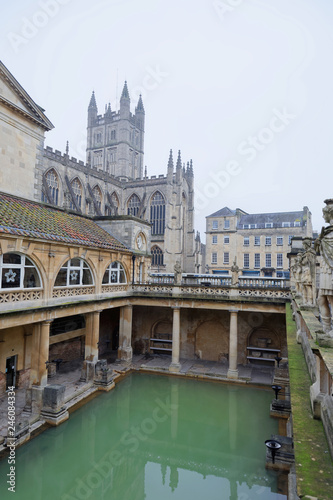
(153, 438)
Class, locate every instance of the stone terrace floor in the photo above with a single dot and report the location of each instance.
(251, 374)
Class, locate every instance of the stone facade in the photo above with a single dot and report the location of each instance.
(259, 242)
(113, 183)
(23, 125)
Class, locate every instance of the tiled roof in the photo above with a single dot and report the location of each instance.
(34, 220)
(276, 218)
(223, 212)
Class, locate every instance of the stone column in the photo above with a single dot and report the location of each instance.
(92, 336)
(44, 352)
(38, 372)
(125, 351)
(233, 345)
(175, 365)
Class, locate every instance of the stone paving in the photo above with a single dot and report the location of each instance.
(75, 389)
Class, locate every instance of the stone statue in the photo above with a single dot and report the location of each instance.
(234, 272)
(177, 273)
(324, 244)
(308, 273)
(298, 274)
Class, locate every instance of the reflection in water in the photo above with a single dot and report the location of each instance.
(152, 438)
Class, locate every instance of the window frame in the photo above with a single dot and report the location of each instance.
(71, 268)
(23, 267)
(117, 270)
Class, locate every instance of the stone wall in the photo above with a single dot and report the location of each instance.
(68, 350)
(204, 333)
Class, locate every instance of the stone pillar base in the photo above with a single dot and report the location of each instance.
(54, 412)
(36, 398)
(233, 374)
(125, 354)
(55, 418)
(103, 376)
(174, 368)
(88, 371)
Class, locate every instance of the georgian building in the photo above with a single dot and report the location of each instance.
(259, 242)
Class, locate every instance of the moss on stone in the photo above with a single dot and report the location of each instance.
(314, 466)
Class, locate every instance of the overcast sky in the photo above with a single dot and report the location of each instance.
(242, 87)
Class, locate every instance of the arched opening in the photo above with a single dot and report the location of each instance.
(98, 196)
(77, 190)
(161, 338)
(263, 346)
(75, 272)
(115, 273)
(133, 205)
(157, 213)
(52, 181)
(157, 256)
(19, 272)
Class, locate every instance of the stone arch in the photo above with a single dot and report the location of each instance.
(63, 278)
(161, 327)
(115, 272)
(212, 341)
(264, 338)
(19, 271)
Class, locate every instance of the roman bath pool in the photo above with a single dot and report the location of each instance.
(154, 438)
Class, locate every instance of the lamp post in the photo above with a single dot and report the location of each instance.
(133, 270)
(274, 446)
(278, 359)
(276, 389)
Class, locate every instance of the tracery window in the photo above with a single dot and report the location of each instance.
(98, 196)
(18, 271)
(157, 214)
(52, 181)
(115, 273)
(157, 256)
(75, 272)
(77, 189)
(133, 205)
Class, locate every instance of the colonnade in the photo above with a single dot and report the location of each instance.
(41, 342)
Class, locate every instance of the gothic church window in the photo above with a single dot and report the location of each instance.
(52, 181)
(18, 271)
(77, 190)
(157, 214)
(133, 205)
(98, 196)
(157, 256)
